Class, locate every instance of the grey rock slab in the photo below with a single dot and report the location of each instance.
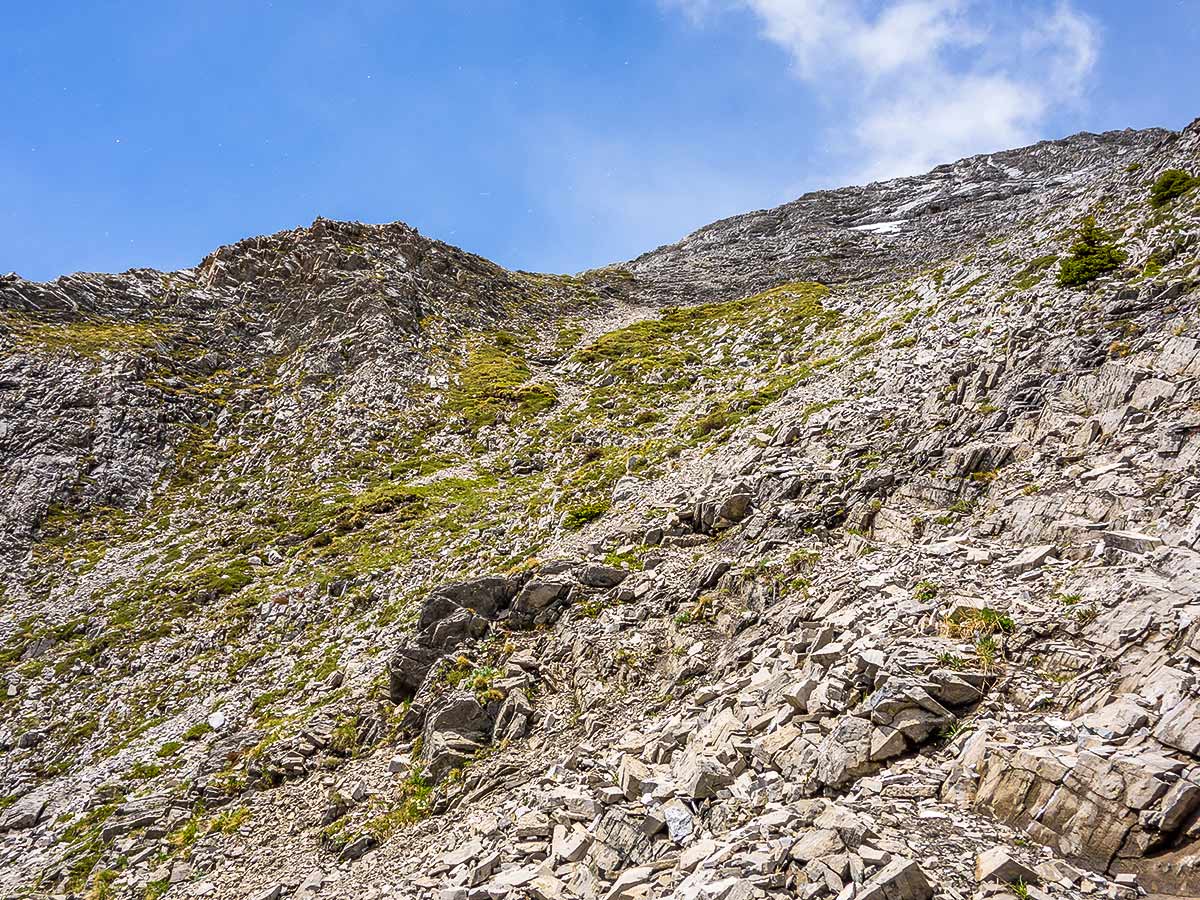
(845, 753)
(1131, 541)
(701, 776)
(628, 883)
(538, 593)
(597, 575)
(817, 843)
(312, 884)
(25, 813)
(681, 824)
(900, 879)
(533, 824)
(1031, 558)
(464, 852)
(1179, 726)
(570, 844)
(482, 870)
(1116, 720)
(998, 864)
(633, 776)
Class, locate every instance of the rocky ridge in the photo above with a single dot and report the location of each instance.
(835, 551)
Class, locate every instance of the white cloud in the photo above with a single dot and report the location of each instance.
(928, 81)
(913, 34)
(1071, 46)
(944, 121)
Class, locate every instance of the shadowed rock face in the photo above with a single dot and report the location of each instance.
(838, 550)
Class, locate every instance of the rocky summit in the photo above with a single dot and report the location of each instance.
(848, 549)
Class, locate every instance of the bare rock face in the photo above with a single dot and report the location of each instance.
(840, 550)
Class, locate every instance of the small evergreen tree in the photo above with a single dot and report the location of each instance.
(1092, 254)
(1169, 185)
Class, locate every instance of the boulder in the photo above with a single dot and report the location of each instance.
(454, 732)
(1116, 720)
(909, 709)
(817, 843)
(633, 777)
(514, 717)
(1180, 726)
(461, 713)
(407, 670)
(1178, 805)
(901, 879)
(620, 840)
(486, 596)
(958, 688)
(630, 884)
(701, 776)
(712, 515)
(844, 753)
(359, 847)
(997, 864)
(1031, 558)
(570, 843)
(1131, 541)
(679, 819)
(886, 742)
(732, 510)
(25, 813)
(596, 575)
(450, 615)
(536, 596)
(533, 824)
(458, 626)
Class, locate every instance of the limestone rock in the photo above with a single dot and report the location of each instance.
(901, 879)
(997, 864)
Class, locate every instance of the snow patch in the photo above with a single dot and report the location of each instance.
(881, 227)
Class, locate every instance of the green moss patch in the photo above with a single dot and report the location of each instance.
(87, 337)
(1033, 273)
(578, 516)
(678, 337)
(493, 384)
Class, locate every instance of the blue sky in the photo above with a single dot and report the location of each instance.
(552, 136)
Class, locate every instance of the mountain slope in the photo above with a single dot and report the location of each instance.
(808, 556)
